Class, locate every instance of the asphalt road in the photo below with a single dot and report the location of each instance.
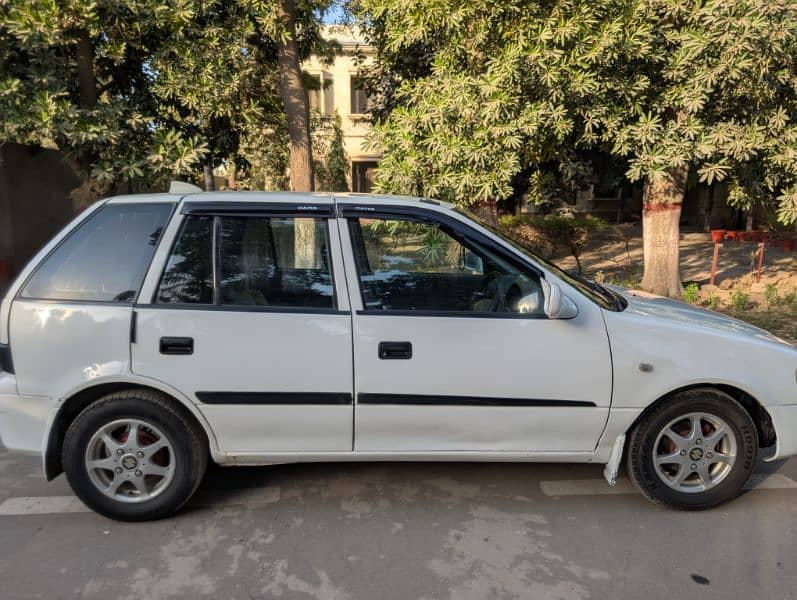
(400, 530)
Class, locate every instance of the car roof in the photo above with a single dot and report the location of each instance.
(252, 196)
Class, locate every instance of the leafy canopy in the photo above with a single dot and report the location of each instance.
(659, 83)
(139, 90)
(76, 75)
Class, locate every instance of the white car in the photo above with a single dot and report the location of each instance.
(157, 331)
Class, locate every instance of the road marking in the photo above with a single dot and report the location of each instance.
(42, 505)
(51, 505)
(599, 487)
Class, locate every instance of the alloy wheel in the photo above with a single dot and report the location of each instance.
(130, 460)
(695, 452)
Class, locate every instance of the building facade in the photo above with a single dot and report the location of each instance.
(335, 88)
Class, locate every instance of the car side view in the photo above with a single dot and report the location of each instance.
(157, 332)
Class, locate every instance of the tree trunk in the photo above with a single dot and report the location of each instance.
(232, 176)
(90, 190)
(87, 82)
(297, 111)
(210, 182)
(709, 208)
(661, 213)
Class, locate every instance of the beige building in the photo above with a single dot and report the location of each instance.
(337, 89)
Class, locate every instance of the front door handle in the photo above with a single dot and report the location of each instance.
(395, 350)
(177, 345)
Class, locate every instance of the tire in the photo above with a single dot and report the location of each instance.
(683, 468)
(146, 479)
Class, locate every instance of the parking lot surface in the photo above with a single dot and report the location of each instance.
(403, 531)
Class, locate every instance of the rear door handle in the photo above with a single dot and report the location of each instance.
(177, 345)
(395, 350)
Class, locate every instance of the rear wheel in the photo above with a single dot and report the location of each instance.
(695, 451)
(132, 456)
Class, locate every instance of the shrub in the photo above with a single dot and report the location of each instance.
(771, 295)
(791, 299)
(549, 233)
(713, 302)
(740, 301)
(528, 231)
(690, 293)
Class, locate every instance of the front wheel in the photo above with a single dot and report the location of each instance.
(693, 452)
(132, 456)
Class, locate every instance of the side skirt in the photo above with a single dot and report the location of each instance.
(254, 460)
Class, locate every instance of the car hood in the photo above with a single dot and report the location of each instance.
(645, 304)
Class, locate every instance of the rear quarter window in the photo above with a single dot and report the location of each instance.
(105, 258)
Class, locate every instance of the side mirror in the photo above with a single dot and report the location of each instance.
(471, 262)
(557, 305)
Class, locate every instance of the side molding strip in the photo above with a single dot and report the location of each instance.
(420, 400)
(274, 398)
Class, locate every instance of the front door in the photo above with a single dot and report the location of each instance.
(453, 352)
(247, 319)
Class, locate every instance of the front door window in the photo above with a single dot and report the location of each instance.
(406, 265)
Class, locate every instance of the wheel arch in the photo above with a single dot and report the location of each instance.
(76, 402)
(753, 407)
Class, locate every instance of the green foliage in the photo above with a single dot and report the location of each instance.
(77, 76)
(434, 249)
(790, 299)
(740, 301)
(331, 163)
(713, 302)
(691, 292)
(503, 90)
(771, 295)
(145, 90)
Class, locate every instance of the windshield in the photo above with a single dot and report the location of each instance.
(603, 297)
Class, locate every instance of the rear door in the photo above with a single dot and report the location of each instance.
(452, 350)
(248, 317)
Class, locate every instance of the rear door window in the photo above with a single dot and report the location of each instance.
(280, 262)
(105, 259)
(259, 262)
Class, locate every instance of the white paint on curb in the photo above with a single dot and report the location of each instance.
(42, 505)
(50, 505)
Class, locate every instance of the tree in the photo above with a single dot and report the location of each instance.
(293, 25)
(330, 159)
(668, 85)
(217, 79)
(716, 86)
(74, 76)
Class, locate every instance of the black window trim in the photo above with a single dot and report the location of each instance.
(259, 209)
(449, 225)
(219, 210)
(78, 227)
(6, 359)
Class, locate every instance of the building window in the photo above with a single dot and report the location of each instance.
(360, 103)
(315, 95)
(362, 176)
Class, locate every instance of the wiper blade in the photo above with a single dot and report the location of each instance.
(616, 299)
